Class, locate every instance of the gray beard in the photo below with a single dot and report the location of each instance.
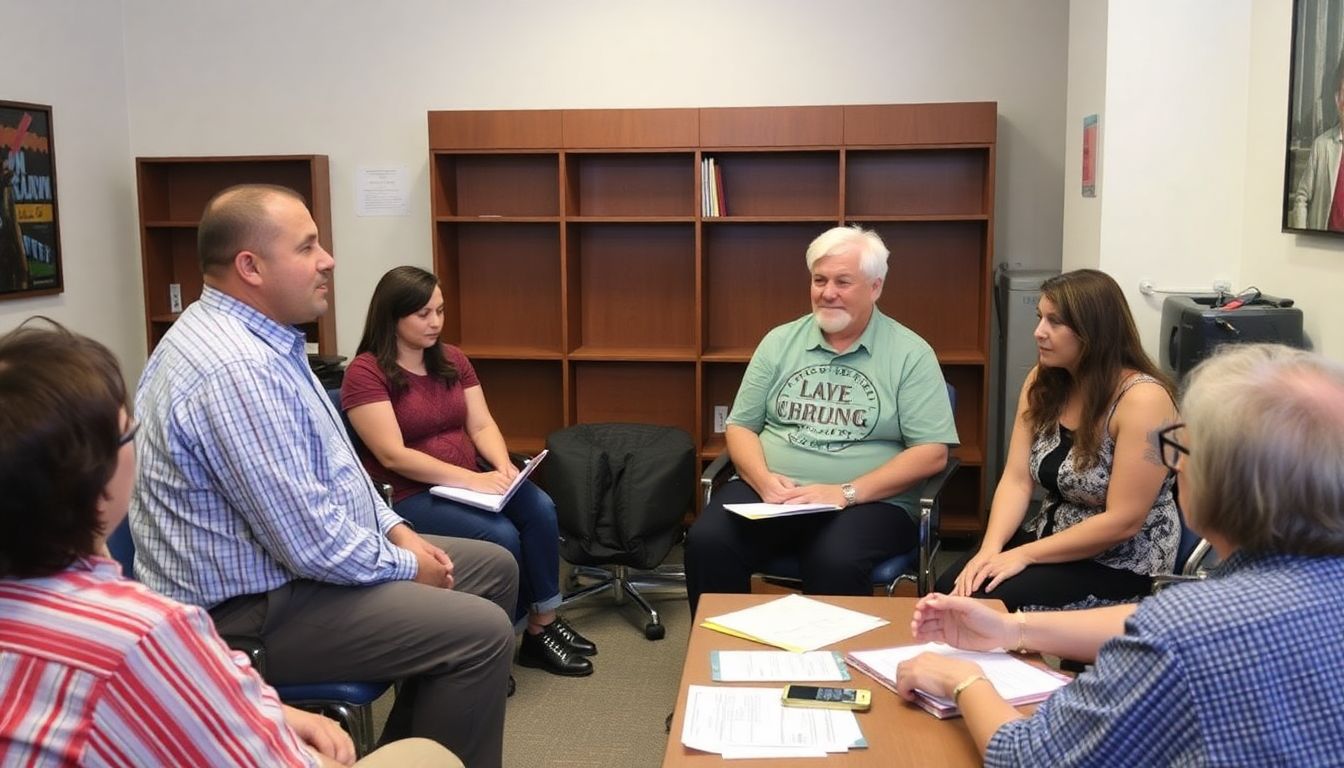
(832, 321)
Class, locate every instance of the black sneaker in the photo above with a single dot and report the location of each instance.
(547, 650)
(573, 639)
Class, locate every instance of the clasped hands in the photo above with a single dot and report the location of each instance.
(433, 566)
(990, 569)
(778, 489)
(961, 622)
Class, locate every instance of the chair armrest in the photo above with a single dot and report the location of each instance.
(930, 494)
(714, 475)
(933, 486)
(256, 653)
(1164, 580)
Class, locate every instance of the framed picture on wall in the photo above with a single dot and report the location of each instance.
(1315, 142)
(30, 242)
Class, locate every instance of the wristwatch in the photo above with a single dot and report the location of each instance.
(851, 495)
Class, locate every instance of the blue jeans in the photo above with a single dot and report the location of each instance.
(526, 527)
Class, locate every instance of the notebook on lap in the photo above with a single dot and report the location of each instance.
(489, 501)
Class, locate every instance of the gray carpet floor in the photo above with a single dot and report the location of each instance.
(614, 718)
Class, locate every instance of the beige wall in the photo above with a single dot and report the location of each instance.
(354, 81)
(68, 54)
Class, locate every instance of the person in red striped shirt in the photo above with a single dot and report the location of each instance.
(96, 669)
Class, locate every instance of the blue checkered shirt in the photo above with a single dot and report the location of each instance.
(247, 479)
(1243, 669)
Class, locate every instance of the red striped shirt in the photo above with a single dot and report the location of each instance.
(97, 670)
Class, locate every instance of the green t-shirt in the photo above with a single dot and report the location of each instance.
(826, 417)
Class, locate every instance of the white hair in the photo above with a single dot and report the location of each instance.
(1266, 464)
(872, 251)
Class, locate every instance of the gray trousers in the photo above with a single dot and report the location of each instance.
(452, 649)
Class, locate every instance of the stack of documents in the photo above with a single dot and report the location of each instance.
(794, 623)
(1016, 681)
(752, 722)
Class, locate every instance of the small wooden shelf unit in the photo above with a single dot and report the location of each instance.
(173, 192)
(587, 284)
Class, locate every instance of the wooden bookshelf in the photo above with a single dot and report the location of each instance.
(588, 284)
(173, 192)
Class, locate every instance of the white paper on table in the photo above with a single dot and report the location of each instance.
(752, 722)
(795, 623)
(779, 666)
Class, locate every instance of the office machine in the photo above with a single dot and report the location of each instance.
(1195, 325)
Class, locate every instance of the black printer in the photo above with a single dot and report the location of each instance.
(1193, 326)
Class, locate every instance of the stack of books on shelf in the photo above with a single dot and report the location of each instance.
(711, 188)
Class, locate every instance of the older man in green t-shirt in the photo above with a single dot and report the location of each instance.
(844, 406)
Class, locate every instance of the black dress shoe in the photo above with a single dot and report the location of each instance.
(513, 686)
(547, 650)
(573, 639)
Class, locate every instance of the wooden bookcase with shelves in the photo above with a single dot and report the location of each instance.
(173, 192)
(587, 284)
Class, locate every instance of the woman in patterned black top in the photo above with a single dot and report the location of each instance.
(1083, 433)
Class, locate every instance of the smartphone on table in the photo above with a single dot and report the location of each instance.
(827, 698)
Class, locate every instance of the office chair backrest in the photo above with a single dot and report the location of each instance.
(620, 491)
(122, 548)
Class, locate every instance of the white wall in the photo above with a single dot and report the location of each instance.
(1174, 147)
(354, 80)
(1086, 96)
(1307, 268)
(67, 53)
(1194, 117)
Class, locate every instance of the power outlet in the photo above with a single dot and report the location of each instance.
(174, 297)
(720, 419)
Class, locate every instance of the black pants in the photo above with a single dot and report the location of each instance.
(836, 551)
(1054, 584)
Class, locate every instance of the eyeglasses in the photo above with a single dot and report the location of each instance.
(1172, 451)
(130, 433)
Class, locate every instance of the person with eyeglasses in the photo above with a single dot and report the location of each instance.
(1085, 416)
(96, 669)
(1242, 668)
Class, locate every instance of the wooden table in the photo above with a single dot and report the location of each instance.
(898, 734)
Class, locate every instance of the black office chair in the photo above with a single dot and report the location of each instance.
(915, 566)
(621, 492)
(350, 704)
(1194, 557)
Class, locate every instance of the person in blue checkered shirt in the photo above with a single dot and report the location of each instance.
(1244, 668)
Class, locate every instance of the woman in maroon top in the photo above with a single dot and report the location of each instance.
(419, 409)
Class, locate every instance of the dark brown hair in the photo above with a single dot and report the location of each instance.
(236, 219)
(1092, 305)
(402, 291)
(61, 397)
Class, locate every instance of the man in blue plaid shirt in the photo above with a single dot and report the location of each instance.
(1244, 668)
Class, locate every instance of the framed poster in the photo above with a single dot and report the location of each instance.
(1090, 156)
(1315, 105)
(30, 242)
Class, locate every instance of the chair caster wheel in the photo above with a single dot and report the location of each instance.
(654, 631)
